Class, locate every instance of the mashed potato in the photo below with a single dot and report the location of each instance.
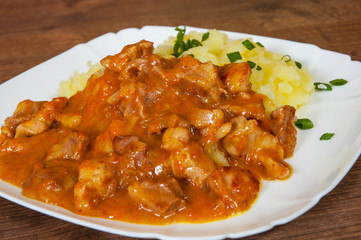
(77, 81)
(277, 77)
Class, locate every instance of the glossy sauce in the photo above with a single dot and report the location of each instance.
(104, 150)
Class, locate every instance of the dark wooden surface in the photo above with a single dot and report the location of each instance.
(32, 31)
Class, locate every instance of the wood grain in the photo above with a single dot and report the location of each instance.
(32, 31)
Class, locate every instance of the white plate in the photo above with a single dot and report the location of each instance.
(318, 165)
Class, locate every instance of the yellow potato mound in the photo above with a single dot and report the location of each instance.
(77, 81)
(279, 79)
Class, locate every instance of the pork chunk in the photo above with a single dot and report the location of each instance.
(97, 181)
(236, 77)
(73, 146)
(161, 196)
(259, 148)
(42, 120)
(129, 52)
(283, 127)
(236, 187)
(199, 78)
(23, 112)
(191, 163)
(52, 181)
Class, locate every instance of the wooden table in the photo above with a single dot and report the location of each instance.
(32, 31)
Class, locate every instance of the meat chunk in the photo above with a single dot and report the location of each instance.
(175, 138)
(164, 120)
(131, 147)
(283, 127)
(42, 120)
(23, 112)
(246, 104)
(259, 148)
(236, 77)
(134, 163)
(199, 78)
(52, 181)
(236, 188)
(129, 52)
(97, 181)
(161, 196)
(129, 99)
(73, 146)
(191, 163)
(218, 156)
(69, 120)
(210, 123)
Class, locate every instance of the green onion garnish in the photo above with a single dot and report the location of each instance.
(234, 56)
(298, 64)
(205, 36)
(180, 46)
(326, 136)
(195, 43)
(253, 65)
(304, 123)
(319, 86)
(248, 44)
(338, 82)
(286, 58)
(259, 44)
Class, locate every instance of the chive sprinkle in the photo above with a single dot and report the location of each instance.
(319, 86)
(195, 43)
(286, 58)
(338, 82)
(259, 44)
(304, 123)
(326, 136)
(234, 56)
(254, 65)
(180, 46)
(251, 64)
(298, 64)
(205, 36)
(248, 44)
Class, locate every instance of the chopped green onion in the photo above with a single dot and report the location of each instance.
(298, 64)
(326, 136)
(319, 86)
(178, 49)
(286, 58)
(195, 43)
(304, 123)
(251, 64)
(254, 65)
(205, 36)
(338, 82)
(259, 44)
(248, 44)
(180, 46)
(187, 45)
(234, 56)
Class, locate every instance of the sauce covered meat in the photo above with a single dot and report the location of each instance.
(150, 140)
